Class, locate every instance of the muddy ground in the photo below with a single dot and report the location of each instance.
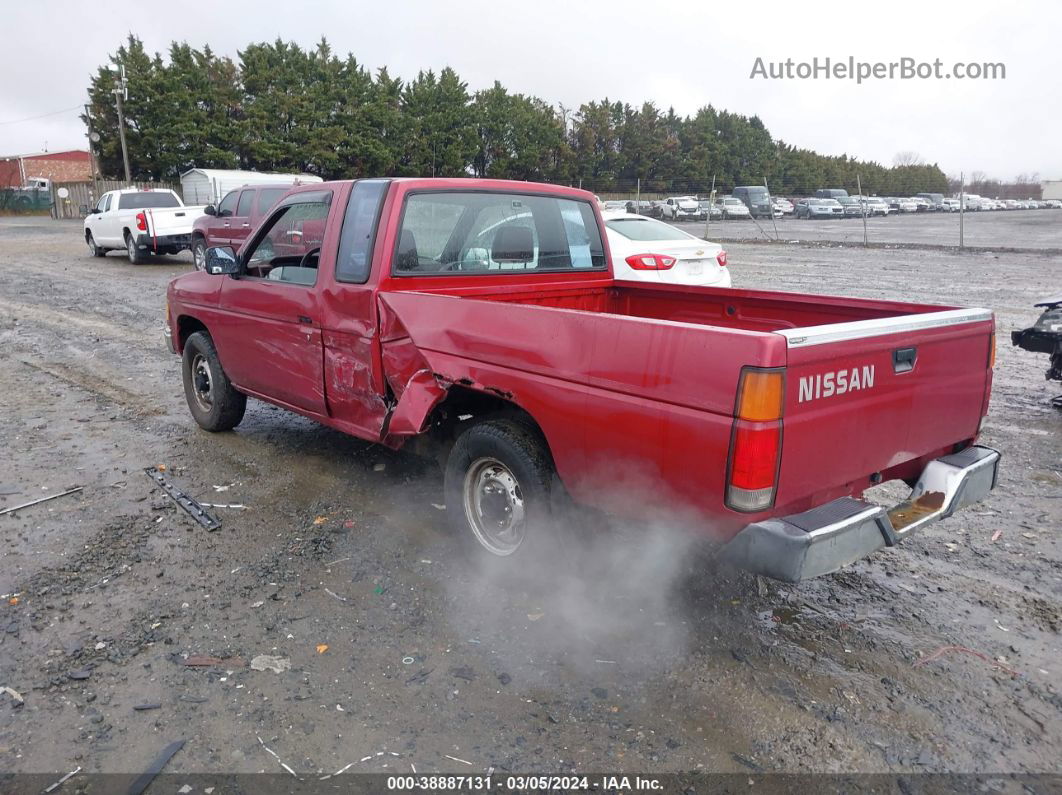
(650, 657)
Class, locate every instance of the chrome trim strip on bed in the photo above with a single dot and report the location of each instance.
(859, 329)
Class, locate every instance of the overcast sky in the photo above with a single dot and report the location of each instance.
(577, 50)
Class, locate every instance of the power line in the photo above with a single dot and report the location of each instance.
(43, 115)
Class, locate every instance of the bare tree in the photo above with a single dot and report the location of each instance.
(908, 158)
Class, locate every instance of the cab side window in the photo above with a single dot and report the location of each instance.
(289, 246)
(228, 204)
(243, 209)
(104, 203)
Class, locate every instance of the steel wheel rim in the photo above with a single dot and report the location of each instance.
(202, 383)
(91, 244)
(130, 248)
(494, 506)
(199, 256)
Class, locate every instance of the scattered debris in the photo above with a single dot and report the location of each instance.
(336, 562)
(504, 678)
(945, 649)
(205, 661)
(190, 506)
(239, 506)
(534, 616)
(438, 507)
(463, 672)
(146, 707)
(192, 699)
(322, 648)
(379, 467)
(349, 524)
(267, 662)
(186, 788)
(379, 589)
(13, 601)
(320, 520)
(80, 674)
(256, 605)
(14, 508)
(223, 488)
(63, 780)
(996, 535)
(144, 780)
(606, 662)
(408, 661)
(16, 696)
(419, 676)
(279, 760)
(336, 596)
(462, 761)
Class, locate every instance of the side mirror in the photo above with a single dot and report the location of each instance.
(95, 211)
(210, 210)
(221, 261)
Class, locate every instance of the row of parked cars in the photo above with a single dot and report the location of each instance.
(754, 201)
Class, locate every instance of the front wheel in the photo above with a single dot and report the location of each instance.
(199, 254)
(215, 404)
(95, 250)
(498, 481)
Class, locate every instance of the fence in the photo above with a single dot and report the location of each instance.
(81, 197)
(950, 215)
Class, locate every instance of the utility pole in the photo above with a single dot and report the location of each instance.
(121, 91)
(962, 204)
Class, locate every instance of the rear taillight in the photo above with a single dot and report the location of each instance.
(756, 440)
(721, 259)
(141, 222)
(650, 262)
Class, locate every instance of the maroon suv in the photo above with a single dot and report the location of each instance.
(232, 220)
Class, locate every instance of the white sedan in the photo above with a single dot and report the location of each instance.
(644, 249)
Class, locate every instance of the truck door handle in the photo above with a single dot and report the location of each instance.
(903, 359)
(304, 319)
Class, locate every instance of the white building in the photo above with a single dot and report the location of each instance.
(1052, 189)
(209, 185)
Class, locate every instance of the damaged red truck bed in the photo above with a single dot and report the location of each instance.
(479, 320)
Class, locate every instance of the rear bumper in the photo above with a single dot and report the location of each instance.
(824, 539)
(151, 243)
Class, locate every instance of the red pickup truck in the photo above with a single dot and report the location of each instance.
(479, 319)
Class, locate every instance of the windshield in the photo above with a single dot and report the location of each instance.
(460, 232)
(645, 229)
(732, 201)
(144, 199)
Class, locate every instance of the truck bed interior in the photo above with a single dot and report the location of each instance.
(748, 310)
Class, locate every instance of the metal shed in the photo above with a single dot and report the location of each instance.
(209, 185)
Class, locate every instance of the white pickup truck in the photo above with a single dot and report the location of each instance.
(677, 208)
(140, 222)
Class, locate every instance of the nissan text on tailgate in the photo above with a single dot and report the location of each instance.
(480, 320)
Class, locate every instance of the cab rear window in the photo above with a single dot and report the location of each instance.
(145, 199)
(456, 232)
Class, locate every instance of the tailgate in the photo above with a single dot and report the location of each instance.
(869, 396)
(165, 221)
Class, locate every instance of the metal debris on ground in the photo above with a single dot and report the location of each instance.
(238, 506)
(145, 707)
(279, 760)
(14, 508)
(15, 695)
(945, 649)
(63, 780)
(267, 662)
(336, 596)
(462, 761)
(190, 506)
(144, 780)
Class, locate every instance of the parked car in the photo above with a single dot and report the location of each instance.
(141, 222)
(935, 200)
(898, 204)
(852, 207)
(614, 205)
(784, 206)
(644, 249)
(875, 205)
(1053, 204)
(830, 193)
(819, 208)
(641, 207)
(921, 205)
(756, 198)
(1011, 204)
(681, 208)
(729, 208)
(709, 211)
(949, 206)
(231, 221)
(481, 322)
(972, 202)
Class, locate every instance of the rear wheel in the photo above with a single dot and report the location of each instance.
(212, 399)
(131, 250)
(498, 481)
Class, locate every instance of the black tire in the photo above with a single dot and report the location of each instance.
(215, 404)
(95, 250)
(484, 457)
(199, 248)
(134, 254)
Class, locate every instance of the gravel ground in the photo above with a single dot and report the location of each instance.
(1014, 229)
(650, 658)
